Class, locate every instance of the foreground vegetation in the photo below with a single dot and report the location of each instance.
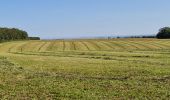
(85, 69)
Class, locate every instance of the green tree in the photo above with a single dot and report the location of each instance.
(12, 34)
(164, 33)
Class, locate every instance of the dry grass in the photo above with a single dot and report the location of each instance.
(85, 69)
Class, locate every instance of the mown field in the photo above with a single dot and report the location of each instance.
(85, 69)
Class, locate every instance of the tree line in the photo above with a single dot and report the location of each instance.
(164, 33)
(7, 34)
(34, 38)
(12, 34)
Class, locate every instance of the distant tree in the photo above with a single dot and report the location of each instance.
(7, 34)
(109, 38)
(118, 37)
(148, 36)
(164, 33)
(34, 38)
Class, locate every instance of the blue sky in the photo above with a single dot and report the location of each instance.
(85, 18)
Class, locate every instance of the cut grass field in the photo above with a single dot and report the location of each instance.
(85, 69)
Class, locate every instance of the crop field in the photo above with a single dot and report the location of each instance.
(85, 69)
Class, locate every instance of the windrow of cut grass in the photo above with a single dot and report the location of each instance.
(85, 45)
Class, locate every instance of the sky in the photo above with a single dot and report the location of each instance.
(54, 19)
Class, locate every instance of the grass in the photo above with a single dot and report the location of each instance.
(85, 69)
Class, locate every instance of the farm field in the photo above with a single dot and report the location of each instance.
(85, 69)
